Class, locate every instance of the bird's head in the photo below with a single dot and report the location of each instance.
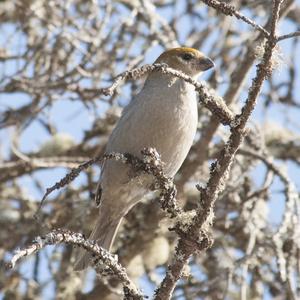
(190, 61)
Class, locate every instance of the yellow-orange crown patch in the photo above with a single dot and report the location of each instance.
(178, 51)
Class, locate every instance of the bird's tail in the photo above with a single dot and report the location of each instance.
(104, 233)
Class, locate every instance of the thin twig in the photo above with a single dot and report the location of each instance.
(150, 163)
(288, 36)
(212, 102)
(230, 10)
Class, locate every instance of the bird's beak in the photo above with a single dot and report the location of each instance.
(206, 63)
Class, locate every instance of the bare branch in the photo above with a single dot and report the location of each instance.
(99, 256)
(212, 102)
(219, 172)
(229, 10)
(288, 36)
(149, 164)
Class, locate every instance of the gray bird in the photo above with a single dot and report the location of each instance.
(162, 116)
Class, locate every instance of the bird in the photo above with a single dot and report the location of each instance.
(164, 116)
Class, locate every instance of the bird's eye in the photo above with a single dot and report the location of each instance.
(187, 56)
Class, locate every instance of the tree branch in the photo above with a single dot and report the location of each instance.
(100, 255)
(219, 172)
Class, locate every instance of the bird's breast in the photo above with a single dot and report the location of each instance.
(170, 123)
(161, 116)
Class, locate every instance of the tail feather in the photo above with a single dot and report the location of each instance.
(104, 233)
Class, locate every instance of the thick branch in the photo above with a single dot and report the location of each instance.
(219, 173)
